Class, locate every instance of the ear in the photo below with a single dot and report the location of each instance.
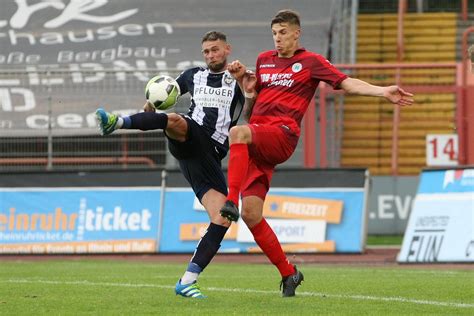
(297, 34)
(228, 48)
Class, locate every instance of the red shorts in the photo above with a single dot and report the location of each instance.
(271, 145)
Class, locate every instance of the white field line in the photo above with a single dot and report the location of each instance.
(237, 290)
(396, 272)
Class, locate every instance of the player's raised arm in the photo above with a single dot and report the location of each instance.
(246, 80)
(248, 85)
(237, 70)
(394, 94)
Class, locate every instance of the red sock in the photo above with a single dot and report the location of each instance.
(237, 169)
(268, 242)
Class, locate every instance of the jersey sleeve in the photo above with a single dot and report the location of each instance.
(183, 80)
(323, 70)
(236, 110)
(239, 94)
(258, 84)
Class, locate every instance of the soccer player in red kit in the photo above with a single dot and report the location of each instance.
(277, 97)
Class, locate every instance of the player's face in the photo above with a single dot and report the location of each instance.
(215, 54)
(286, 38)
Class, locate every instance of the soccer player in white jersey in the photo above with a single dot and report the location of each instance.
(199, 141)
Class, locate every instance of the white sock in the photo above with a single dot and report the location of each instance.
(189, 277)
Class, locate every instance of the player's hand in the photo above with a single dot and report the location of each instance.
(148, 107)
(249, 81)
(237, 70)
(397, 95)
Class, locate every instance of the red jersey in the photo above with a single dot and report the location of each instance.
(286, 86)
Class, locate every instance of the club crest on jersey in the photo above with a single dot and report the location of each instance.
(228, 79)
(296, 67)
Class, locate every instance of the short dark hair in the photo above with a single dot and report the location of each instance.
(286, 16)
(214, 36)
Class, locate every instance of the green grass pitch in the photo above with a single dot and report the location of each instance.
(106, 287)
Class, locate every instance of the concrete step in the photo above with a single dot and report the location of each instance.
(432, 80)
(407, 23)
(412, 32)
(419, 98)
(350, 126)
(410, 39)
(413, 134)
(426, 56)
(382, 143)
(382, 152)
(409, 16)
(411, 47)
(377, 161)
(388, 107)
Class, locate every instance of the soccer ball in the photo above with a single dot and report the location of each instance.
(162, 92)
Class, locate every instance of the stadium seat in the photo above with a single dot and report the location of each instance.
(368, 122)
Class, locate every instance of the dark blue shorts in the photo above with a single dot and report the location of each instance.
(199, 160)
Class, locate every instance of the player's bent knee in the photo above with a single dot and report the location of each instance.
(240, 134)
(177, 127)
(174, 118)
(250, 219)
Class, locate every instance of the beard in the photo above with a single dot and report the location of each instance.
(217, 67)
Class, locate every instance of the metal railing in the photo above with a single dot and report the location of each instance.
(47, 119)
(373, 125)
(390, 6)
(343, 44)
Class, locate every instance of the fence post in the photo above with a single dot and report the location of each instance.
(164, 174)
(49, 165)
(464, 10)
(323, 118)
(309, 138)
(463, 107)
(354, 13)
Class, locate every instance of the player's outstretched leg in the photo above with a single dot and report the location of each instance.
(206, 249)
(188, 290)
(230, 211)
(107, 121)
(289, 284)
